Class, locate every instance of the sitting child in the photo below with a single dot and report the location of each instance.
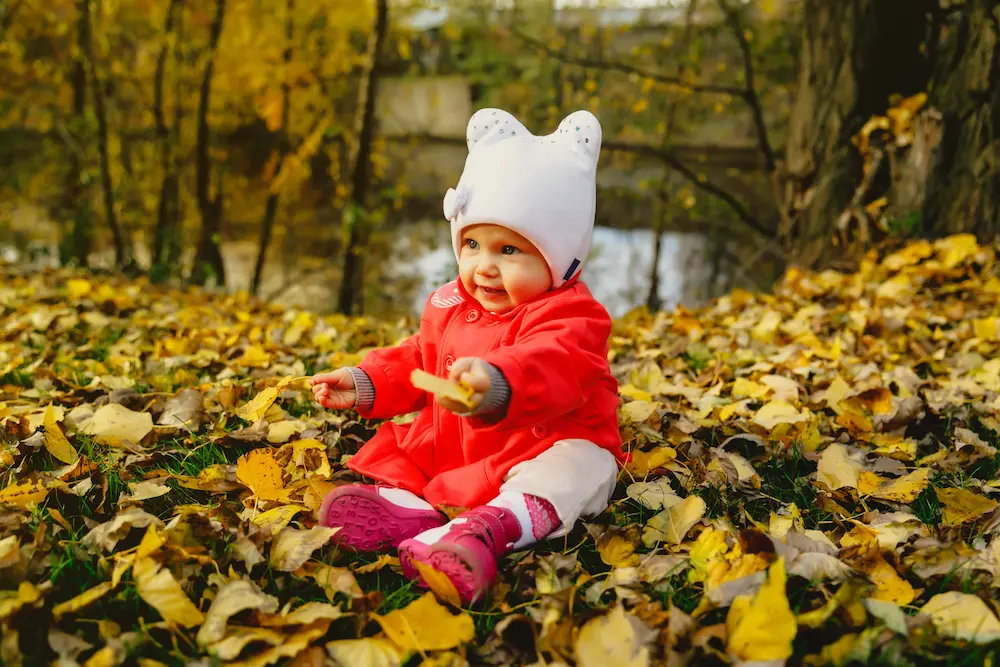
(540, 447)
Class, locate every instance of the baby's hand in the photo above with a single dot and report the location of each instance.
(472, 372)
(334, 390)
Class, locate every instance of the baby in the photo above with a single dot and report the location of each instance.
(539, 448)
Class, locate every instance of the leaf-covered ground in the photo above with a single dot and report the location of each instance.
(812, 480)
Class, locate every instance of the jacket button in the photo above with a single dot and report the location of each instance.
(448, 361)
(472, 316)
(539, 431)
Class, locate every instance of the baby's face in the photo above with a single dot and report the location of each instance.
(500, 268)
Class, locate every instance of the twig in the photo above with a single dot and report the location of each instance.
(618, 66)
(749, 93)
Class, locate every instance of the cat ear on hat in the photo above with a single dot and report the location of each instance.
(488, 126)
(582, 132)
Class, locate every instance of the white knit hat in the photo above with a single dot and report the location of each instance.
(544, 188)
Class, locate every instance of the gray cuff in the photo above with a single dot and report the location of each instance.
(497, 397)
(365, 388)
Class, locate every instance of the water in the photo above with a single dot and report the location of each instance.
(617, 272)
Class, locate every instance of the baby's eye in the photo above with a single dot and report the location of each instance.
(471, 243)
(509, 250)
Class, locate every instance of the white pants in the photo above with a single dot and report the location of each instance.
(576, 476)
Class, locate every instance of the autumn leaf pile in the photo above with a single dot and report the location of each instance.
(812, 480)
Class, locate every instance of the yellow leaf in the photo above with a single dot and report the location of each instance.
(232, 598)
(114, 424)
(837, 468)
(77, 288)
(254, 356)
(710, 546)
(672, 524)
(55, 441)
(161, 591)
(744, 388)
(290, 647)
(610, 641)
(904, 489)
(424, 625)
(367, 652)
(293, 547)
(335, 580)
(889, 586)
(617, 548)
(261, 473)
(275, 519)
(633, 392)
(442, 388)
(778, 412)
(643, 462)
(762, 627)
(255, 409)
(439, 583)
(960, 506)
(953, 250)
(23, 495)
(963, 616)
(85, 598)
(385, 560)
(765, 330)
(27, 594)
(636, 412)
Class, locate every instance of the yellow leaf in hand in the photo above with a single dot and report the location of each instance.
(425, 625)
(442, 388)
(255, 409)
(762, 627)
(960, 506)
(55, 440)
(610, 641)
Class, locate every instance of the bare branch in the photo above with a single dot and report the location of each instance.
(618, 66)
(665, 155)
(749, 93)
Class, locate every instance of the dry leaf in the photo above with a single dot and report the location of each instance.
(439, 583)
(443, 388)
(368, 652)
(963, 616)
(672, 524)
(293, 547)
(960, 506)
(903, 489)
(839, 468)
(762, 627)
(643, 462)
(85, 598)
(185, 410)
(55, 440)
(424, 625)
(275, 519)
(261, 473)
(610, 641)
(232, 598)
(654, 495)
(161, 591)
(114, 424)
(778, 412)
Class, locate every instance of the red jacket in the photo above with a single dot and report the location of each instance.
(553, 352)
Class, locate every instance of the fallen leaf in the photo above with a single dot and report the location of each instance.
(261, 473)
(24, 495)
(617, 546)
(115, 425)
(838, 468)
(439, 583)
(637, 412)
(26, 595)
(777, 412)
(106, 536)
(963, 616)
(293, 547)
(161, 591)
(903, 489)
(232, 598)
(55, 440)
(762, 627)
(335, 580)
(610, 641)
(643, 462)
(185, 410)
(654, 495)
(672, 524)
(82, 600)
(424, 625)
(275, 519)
(960, 506)
(367, 652)
(290, 646)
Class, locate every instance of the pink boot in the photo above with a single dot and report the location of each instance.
(369, 521)
(467, 552)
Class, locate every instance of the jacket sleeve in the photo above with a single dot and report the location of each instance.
(389, 370)
(559, 355)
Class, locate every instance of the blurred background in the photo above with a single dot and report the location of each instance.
(300, 149)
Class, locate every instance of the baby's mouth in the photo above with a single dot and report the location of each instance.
(491, 290)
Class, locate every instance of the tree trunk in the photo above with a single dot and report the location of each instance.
(273, 198)
(123, 251)
(351, 298)
(208, 257)
(854, 55)
(76, 244)
(963, 190)
(167, 234)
